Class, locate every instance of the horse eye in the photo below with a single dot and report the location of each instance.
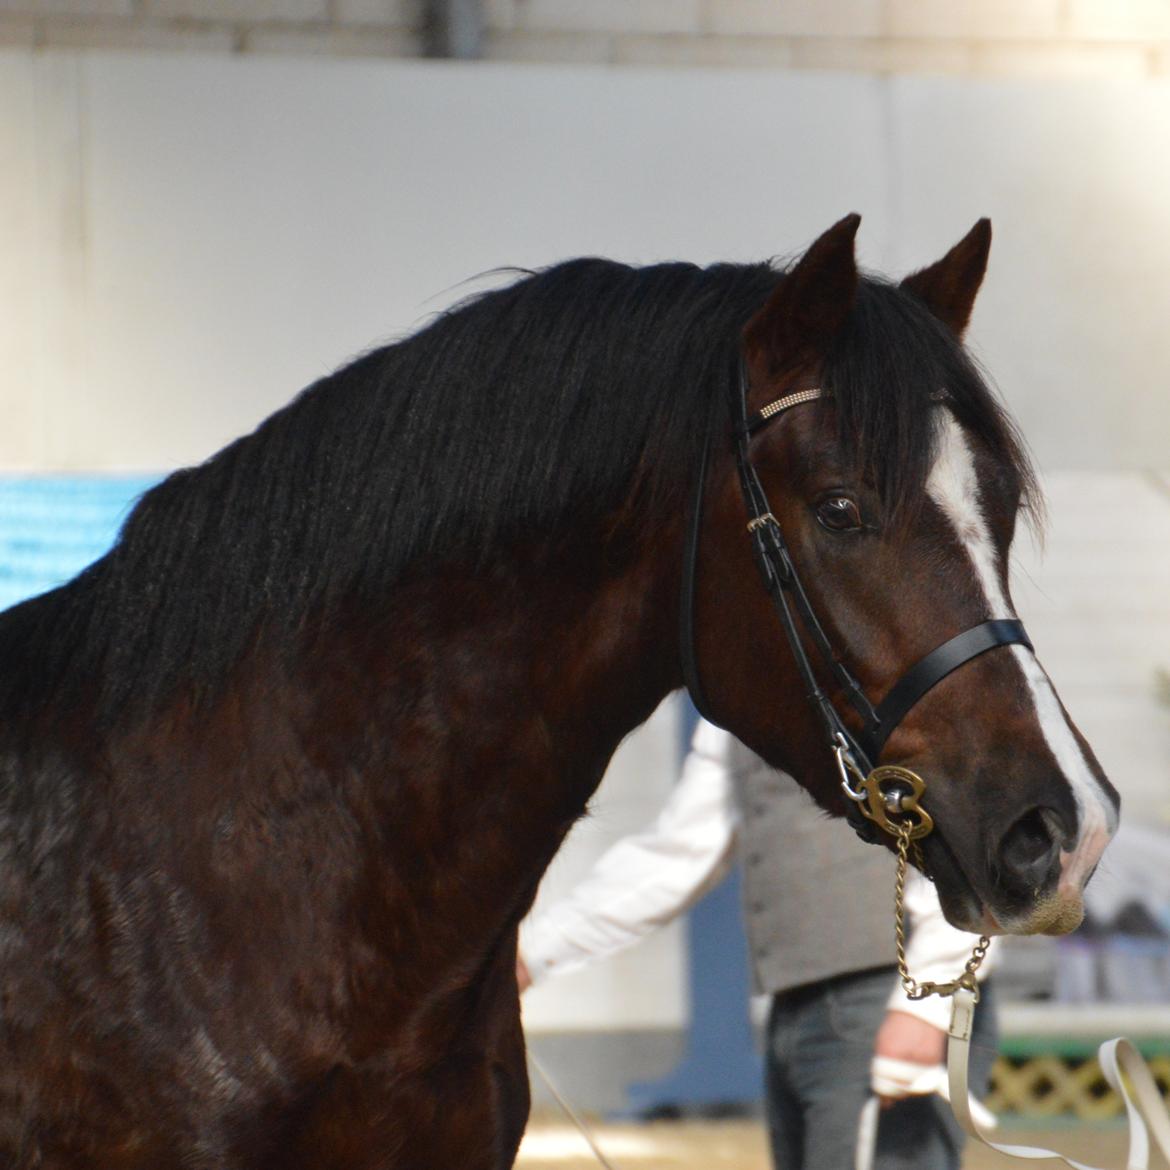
(839, 514)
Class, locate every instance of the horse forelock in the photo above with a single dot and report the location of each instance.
(891, 364)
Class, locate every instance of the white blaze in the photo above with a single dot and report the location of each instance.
(953, 486)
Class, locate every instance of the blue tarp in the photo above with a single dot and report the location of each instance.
(51, 527)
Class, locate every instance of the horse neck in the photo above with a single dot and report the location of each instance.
(571, 654)
(491, 702)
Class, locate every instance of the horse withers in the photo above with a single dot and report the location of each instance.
(279, 775)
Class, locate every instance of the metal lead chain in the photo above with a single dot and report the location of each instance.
(914, 989)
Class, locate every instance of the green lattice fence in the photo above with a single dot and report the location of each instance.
(1044, 1077)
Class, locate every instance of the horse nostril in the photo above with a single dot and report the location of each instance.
(1031, 845)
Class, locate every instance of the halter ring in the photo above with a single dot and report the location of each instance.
(891, 791)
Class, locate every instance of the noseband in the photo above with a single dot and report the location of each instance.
(875, 794)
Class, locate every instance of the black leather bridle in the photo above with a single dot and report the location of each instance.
(856, 753)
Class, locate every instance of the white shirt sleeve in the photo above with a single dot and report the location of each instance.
(936, 951)
(647, 879)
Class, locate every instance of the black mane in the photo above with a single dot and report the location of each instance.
(576, 393)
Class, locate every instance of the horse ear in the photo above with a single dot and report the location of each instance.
(948, 288)
(811, 302)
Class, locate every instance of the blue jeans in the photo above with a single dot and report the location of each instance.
(819, 1044)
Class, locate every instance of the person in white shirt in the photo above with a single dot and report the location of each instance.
(818, 909)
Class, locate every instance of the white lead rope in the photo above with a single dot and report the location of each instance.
(1143, 1106)
(1143, 1103)
(570, 1113)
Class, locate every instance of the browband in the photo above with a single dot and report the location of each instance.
(761, 416)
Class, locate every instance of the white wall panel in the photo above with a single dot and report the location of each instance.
(250, 224)
(1096, 599)
(184, 243)
(1072, 320)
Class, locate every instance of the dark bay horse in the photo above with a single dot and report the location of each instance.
(279, 774)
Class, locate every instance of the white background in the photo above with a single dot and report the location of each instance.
(185, 242)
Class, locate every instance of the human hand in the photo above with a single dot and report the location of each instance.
(523, 977)
(908, 1057)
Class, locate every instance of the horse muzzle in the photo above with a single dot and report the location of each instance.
(1034, 880)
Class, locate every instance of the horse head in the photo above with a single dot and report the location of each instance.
(896, 482)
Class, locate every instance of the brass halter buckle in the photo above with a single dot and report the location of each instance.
(891, 791)
(887, 792)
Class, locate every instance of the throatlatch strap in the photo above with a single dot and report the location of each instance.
(933, 668)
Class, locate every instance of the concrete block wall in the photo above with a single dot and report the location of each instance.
(995, 38)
